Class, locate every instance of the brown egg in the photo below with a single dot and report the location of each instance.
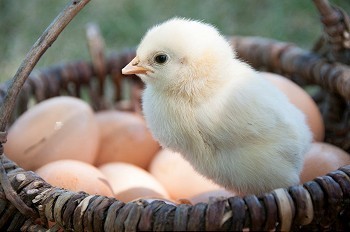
(124, 138)
(76, 176)
(130, 182)
(321, 159)
(57, 128)
(302, 100)
(178, 176)
(206, 197)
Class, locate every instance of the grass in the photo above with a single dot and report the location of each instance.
(123, 23)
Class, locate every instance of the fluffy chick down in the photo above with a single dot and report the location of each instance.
(233, 126)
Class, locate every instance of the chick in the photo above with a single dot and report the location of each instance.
(233, 126)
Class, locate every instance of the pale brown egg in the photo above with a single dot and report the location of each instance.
(130, 182)
(178, 176)
(321, 159)
(302, 100)
(124, 137)
(206, 197)
(76, 176)
(54, 129)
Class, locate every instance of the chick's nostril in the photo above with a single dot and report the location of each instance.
(135, 61)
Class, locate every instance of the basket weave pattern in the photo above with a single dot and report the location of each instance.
(27, 202)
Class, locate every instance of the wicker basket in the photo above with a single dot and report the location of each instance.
(28, 203)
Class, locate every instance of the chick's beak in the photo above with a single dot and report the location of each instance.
(134, 68)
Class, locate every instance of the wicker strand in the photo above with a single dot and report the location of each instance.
(29, 225)
(16, 222)
(304, 211)
(3, 139)
(111, 213)
(239, 213)
(215, 214)
(270, 211)
(256, 211)
(11, 194)
(7, 215)
(286, 210)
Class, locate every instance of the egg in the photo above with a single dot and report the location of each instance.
(57, 128)
(178, 176)
(321, 159)
(76, 176)
(124, 137)
(130, 182)
(205, 197)
(124, 105)
(302, 100)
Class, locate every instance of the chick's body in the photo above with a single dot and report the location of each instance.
(231, 125)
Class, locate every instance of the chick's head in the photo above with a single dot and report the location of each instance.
(180, 54)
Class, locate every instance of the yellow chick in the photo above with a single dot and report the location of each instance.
(233, 126)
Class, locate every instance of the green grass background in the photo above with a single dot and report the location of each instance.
(123, 22)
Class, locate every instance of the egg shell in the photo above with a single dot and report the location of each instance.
(206, 197)
(124, 137)
(302, 100)
(76, 176)
(321, 159)
(130, 182)
(178, 176)
(58, 128)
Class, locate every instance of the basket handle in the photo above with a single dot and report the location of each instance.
(336, 24)
(38, 49)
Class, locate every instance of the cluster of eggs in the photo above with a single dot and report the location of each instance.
(112, 153)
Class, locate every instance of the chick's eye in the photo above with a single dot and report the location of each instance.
(161, 58)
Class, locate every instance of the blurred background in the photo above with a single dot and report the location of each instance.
(123, 23)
